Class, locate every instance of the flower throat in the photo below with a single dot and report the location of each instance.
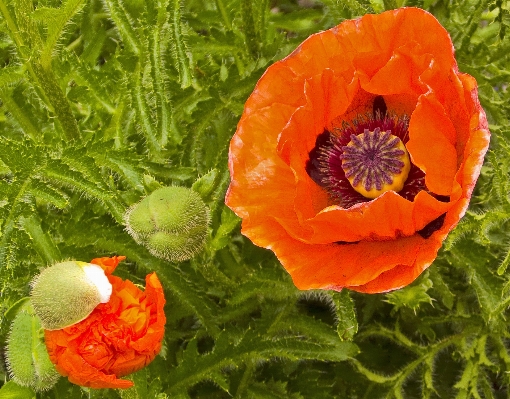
(363, 159)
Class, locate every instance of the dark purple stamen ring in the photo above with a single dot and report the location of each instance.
(325, 165)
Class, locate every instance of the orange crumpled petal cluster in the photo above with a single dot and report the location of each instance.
(118, 338)
(406, 57)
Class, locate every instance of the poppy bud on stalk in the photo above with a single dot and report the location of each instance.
(68, 292)
(27, 358)
(171, 222)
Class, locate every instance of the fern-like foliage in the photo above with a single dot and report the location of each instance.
(104, 101)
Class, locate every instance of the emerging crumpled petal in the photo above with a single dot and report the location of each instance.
(118, 338)
(403, 58)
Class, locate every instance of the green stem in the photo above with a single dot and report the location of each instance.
(71, 7)
(11, 25)
(20, 45)
(240, 65)
(74, 44)
(249, 27)
(57, 99)
(263, 20)
(404, 373)
(114, 129)
(26, 35)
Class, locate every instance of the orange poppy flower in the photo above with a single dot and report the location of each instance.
(118, 338)
(358, 153)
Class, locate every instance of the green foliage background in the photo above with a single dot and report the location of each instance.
(104, 101)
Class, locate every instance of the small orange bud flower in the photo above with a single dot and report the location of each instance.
(118, 338)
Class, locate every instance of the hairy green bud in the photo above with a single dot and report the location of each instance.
(27, 358)
(171, 222)
(67, 292)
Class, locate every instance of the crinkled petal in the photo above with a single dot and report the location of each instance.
(406, 56)
(79, 372)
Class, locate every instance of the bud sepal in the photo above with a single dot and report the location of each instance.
(67, 292)
(28, 362)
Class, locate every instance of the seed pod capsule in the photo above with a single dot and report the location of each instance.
(27, 358)
(67, 292)
(171, 223)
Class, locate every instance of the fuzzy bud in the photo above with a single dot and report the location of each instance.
(67, 292)
(171, 222)
(27, 358)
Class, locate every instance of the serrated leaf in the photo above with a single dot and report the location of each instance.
(347, 324)
(124, 24)
(10, 75)
(180, 52)
(440, 286)
(206, 184)
(254, 347)
(229, 221)
(41, 241)
(45, 192)
(410, 297)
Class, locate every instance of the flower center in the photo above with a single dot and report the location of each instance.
(370, 148)
(375, 162)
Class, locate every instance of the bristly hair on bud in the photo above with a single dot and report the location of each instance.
(171, 223)
(28, 362)
(67, 292)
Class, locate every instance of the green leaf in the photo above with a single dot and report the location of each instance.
(124, 24)
(439, 285)
(411, 297)
(10, 75)
(55, 21)
(179, 48)
(41, 241)
(102, 101)
(206, 184)
(347, 325)
(15, 308)
(193, 369)
(229, 221)
(11, 390)
(140, 389)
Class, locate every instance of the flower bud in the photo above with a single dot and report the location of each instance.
(27, 358)
(68, 292)
(171, 222)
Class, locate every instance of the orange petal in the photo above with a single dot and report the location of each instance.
(431, 145)
(79, 372)
(334, 76)
(108, 264)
